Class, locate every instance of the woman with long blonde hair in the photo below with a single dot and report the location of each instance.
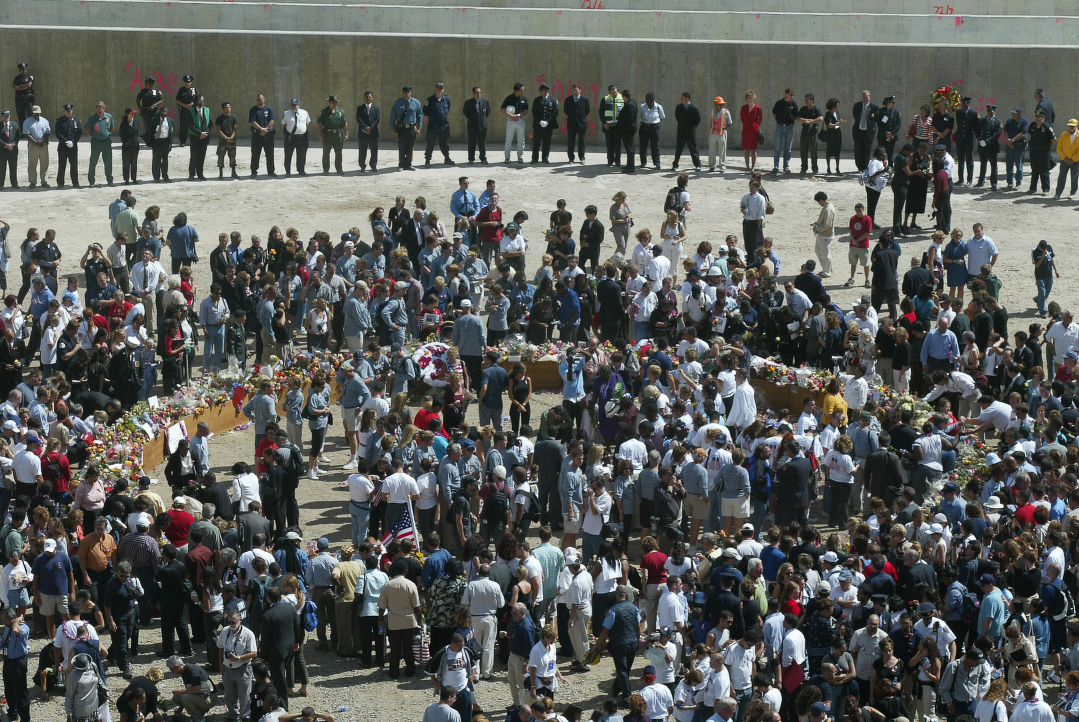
(293, 594)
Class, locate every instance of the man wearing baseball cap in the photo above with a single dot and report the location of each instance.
(54, 584)
(185, 101)
(660, 702)
(26, 467)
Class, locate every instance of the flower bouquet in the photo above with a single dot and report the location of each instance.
(431, 359)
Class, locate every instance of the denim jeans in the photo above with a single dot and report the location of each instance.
(1014, 157)
(213, 345)
(742, 697)
(589, 545)
(1045, 285)
(361, 517)
(784, 142)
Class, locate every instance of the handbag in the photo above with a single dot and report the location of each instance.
(760, 137)
(769, 209)
(822, 135)
(421, 647)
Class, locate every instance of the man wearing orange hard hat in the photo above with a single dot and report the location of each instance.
(720, 121)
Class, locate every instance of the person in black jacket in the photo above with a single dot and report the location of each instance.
(988, 146)
(688, 117)
(864, 128)
(171, 580)
(271, 490)
(966, 127)
(627, 129)
(277, 642)
(175, 474)
(577, 109)
(477, 111)
(544, 122)
(129, 146)
(368, 116)
(9, 149)
(68, 131)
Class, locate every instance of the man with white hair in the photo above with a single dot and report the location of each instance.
(579, 601)
(725, 708)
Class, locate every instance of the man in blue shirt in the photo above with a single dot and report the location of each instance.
(522, 636)
(494, 381)
(262, 409)
(54, 584)
(16, 651)
(991, 612)
(262, 119)
(569, 312)
(437, 111)
(406, 117)
(940, 350)
(952, 507)
(463, 202)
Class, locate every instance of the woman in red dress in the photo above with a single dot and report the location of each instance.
(752, 115)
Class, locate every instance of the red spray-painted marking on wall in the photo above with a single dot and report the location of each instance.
(590, 5)
(943, 10)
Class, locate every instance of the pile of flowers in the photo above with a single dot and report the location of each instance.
(117, 449)
(771, 369)
(433, 364)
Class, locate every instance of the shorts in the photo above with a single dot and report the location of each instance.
(351, 416)
(857, 256)
(53, 603)
(698, 506)
(736, 508)
(318, 437)
(645, 513)
(572, 527)
(18, 598)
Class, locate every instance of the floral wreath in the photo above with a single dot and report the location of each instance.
(949, 95)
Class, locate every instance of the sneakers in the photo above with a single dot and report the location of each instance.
(312, 475)
(323, 459)
(849, 283)
(825, 274)
(351, 463)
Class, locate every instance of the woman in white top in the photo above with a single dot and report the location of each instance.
(317, 325)
(677, 562)
(213, 611)
(293, 594)
(991, 707)
(427, 504)
(50, 340)
(543, 673)
(137, 330)
(674, 235)
(644, 303)
(703, 258)
(928, 663)
(875, 177)
(841, 470)
(15, 583)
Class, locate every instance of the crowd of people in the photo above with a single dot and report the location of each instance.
(846, 560)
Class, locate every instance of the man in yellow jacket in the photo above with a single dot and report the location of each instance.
(1068, 150)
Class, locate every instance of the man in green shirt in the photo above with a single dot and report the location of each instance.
(332, 132)
(99, 127)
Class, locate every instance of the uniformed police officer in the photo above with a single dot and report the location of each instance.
(406, 117)
(160, 134)
(544, 121)
(199, 127)
(332, 132)
(149, 101)
(889, 123)
(437, 110)
(68, 130)
(185, 102)
(988, 146)
(99, 127)
(1040, 137)
(262, 120)
(23, 85)
(966, 127)
(296, 120)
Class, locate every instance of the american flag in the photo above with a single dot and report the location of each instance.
(403, 528)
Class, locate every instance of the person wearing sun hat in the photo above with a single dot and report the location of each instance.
(719, 120)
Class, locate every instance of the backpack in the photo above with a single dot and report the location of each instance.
(310, 616)
(498, 505)
(52, 470)
(968, 608)
(258, 605)
(673, 201)
(533, 513)
(1063, 605)
(294, 466)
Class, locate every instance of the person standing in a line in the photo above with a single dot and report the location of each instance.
(720, 121)
(149, 100)
(577, 109)
(865, 128)
(1015, 147)
(99, 127)
(332, 133)
(811, 120)
(890, 122)
(1068, 150)
(120, 603)
(16, 651)
(437, 110)
(9, 149)
(161, 131)
(751, 116)
(627, 129)
(237, 647)
(400, 614)
(368, 116)
(262, 121)
(199, 127)
(544, 122)
(68, 132)
(477, 111)
(406, 118)
(784, 112)
(687, 116)
(226, 125)
(280, 630)
(296, 121)
(515, 108)
(129, 147)
(988, 146)
(651, 115)
(23, 85)
(609, 107)
(37, 130)
(966, 128)
(1040, 139)
(185, 102)
(754, 208)
(1045, 270)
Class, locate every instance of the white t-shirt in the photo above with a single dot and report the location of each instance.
(998, 413)
(428, 484)
(671, 611)
(544, 661)
(399, 487)
(657, 655)
(457, 669)
(840, 467)
(360, 488)
(249, 556)
(593, 523)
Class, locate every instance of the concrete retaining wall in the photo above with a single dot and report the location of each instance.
(96, 65)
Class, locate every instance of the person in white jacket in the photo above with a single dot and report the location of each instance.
(744, 407)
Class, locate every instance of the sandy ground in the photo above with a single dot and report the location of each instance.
(334, 203)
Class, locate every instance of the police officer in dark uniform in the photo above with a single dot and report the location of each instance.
(627, 130)
(68, 130)
(406, 117)
(149, 101)
(263, 121)
(437, 110)
(24, 92)
(988, 146)
(966, 127)
(544, 121)
(9, 148)
(185, 101)
(889, 123)
(1040, 137)
(943, 126)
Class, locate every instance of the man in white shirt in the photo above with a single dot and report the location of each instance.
(597, 511)
(579, 601)
(147, 281)
(633, 450)
(671, 611)
(741, 660)
(484, 598)
(398, 491)
(792, 659)
(865, 648)
(659, 267)
(808, 421)
(659, 700)
(360, 489)
(296, 120)
(1063, 337)
(744, 408)
(749, 547)
(856, 391)
(995, 415)
(247, 572)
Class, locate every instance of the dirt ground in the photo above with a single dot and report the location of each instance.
(334, 203)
